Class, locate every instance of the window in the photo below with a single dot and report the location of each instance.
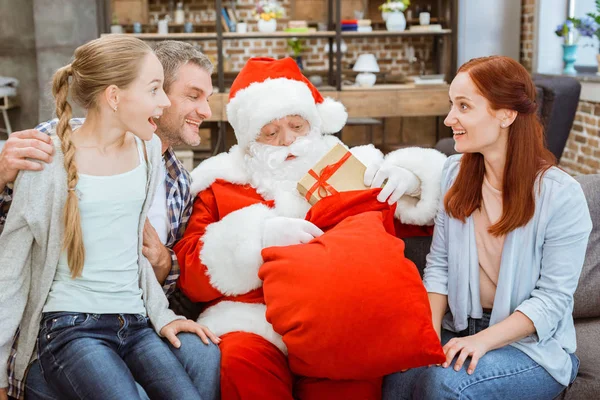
(588, 47)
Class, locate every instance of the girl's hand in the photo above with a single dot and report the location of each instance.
(469, 346)
(171, 330)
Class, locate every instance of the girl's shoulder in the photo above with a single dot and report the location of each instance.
(154, 149)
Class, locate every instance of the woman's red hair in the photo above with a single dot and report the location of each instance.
(505, 84)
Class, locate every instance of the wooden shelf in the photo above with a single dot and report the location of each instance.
(278, 35)
(441, 32)
(285, 35)
(175, 36)
(396, 86)
(234, 35)
(205, 24)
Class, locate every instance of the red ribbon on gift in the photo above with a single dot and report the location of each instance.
(323, 176)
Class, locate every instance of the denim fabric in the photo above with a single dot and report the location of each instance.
(36, 387)
(505, 373)
(102, 356)
(201, 362)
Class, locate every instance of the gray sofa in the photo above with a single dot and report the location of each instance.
(587, 298)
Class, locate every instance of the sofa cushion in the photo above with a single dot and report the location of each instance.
(587, 296)
(558, 108)
(587, 384)
(416, 250)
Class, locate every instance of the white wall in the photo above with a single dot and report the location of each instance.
(490, 27)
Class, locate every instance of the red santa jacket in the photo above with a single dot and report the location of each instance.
(219, 254)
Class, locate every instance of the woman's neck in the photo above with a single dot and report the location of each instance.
(494, 162)
(100, 133)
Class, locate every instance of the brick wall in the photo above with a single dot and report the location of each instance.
(527, 32)
(390, 51)
(582, 153)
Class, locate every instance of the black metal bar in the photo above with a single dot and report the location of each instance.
(220, 71)
(222, 136)
(220, 145)
(338, 41)
(454, 42)
(103, 16)
(437, 55)
(330, 27)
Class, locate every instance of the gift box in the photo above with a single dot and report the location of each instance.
(337, 171)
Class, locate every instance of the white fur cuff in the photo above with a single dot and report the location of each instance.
(427, 165)
(232, 248)
(230, 316)
(367, 154)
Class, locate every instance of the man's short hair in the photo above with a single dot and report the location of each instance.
(172, 54)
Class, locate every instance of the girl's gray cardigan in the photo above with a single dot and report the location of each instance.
(30, 247)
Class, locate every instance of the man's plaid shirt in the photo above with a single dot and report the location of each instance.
(179, 209)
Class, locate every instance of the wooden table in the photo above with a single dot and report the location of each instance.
(379, 101)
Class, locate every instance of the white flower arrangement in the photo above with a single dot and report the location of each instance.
(394, 5)
(267, 10)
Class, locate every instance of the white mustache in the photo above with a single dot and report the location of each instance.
(276, 155)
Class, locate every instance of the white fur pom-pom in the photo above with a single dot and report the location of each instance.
(333, 115)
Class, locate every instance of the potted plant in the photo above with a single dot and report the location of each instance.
(267, 12)
(296, 46)
(396, 9)
(570, 31)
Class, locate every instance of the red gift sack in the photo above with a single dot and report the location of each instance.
(349, 305)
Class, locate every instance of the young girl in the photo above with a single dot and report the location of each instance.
(72, 274)
(509, 244)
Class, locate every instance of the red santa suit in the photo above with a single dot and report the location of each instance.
(220, 252)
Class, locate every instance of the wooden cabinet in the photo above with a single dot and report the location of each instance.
(130, 11)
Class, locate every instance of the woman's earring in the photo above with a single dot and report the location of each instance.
(115, 109)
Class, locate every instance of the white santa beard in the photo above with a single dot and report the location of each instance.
(276, 178)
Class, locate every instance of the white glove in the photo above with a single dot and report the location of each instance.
(398, 182)
(283, 231)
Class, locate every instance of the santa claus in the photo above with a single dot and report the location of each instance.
(246, 200)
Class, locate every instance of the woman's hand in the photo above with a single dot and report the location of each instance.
(171, 330)
(3, 393)
(469, 346)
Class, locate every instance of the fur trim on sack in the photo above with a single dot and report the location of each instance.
(427, 165)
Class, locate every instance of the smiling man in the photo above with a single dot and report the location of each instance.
(188, 86)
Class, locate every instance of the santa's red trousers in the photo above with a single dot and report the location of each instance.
(253, 368)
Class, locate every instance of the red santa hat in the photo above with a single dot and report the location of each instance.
(267, 89)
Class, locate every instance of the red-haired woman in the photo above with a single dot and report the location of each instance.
(507, 251)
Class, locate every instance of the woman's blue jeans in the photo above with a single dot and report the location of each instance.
(505, 373)
(102, 356)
